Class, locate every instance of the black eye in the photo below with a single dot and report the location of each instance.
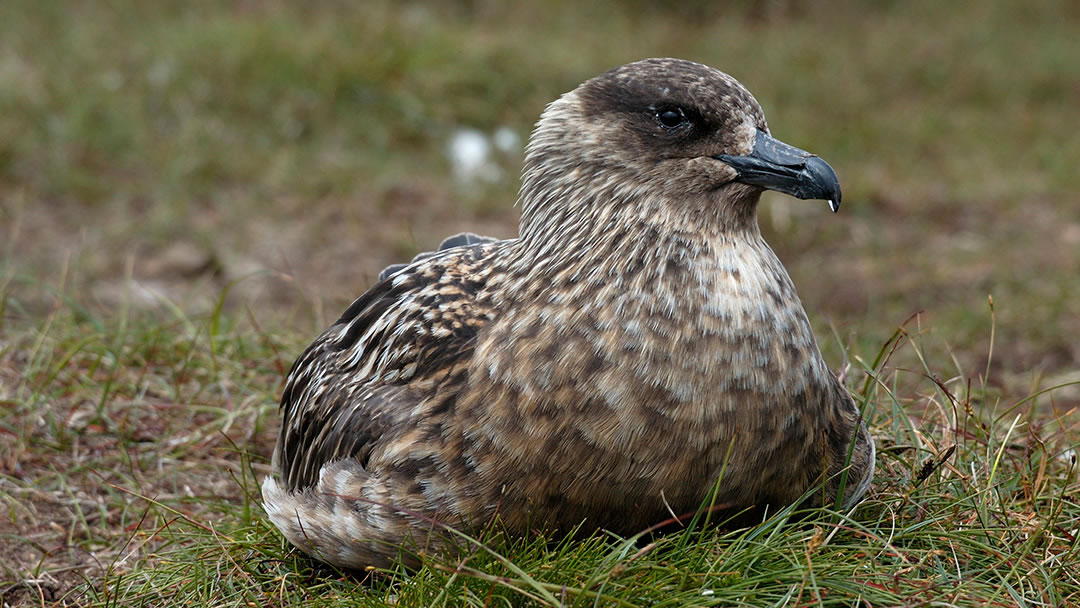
(671, 118)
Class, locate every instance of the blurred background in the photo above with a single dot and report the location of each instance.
(190, 191)
(156, 155)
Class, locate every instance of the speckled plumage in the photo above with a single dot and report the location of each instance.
(601, 367)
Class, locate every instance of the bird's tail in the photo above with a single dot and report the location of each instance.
(346, 520)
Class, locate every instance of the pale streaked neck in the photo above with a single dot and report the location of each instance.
(618, 227)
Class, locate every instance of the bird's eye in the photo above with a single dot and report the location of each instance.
(671, 118)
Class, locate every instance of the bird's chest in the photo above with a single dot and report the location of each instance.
(686, 347)
(642, 384)
(707, 334)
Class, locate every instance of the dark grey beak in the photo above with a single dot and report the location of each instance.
(777, 166)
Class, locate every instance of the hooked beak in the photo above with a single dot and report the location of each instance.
(774, 165)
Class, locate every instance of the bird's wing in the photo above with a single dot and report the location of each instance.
(408, 336)
(458, 240)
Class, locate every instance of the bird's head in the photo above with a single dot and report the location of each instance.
(667, 128)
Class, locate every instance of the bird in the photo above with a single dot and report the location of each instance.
(636, 351)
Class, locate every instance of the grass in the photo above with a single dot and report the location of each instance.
(154, 471)
(190, 191)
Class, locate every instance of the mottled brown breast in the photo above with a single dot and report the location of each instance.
(624, 392)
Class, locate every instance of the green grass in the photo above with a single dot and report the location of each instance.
(156, 434)
(190, 191)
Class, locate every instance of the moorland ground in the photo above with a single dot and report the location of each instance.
(190, 191)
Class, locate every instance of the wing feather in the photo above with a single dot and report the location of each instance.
(458, 240)
(366, 374)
